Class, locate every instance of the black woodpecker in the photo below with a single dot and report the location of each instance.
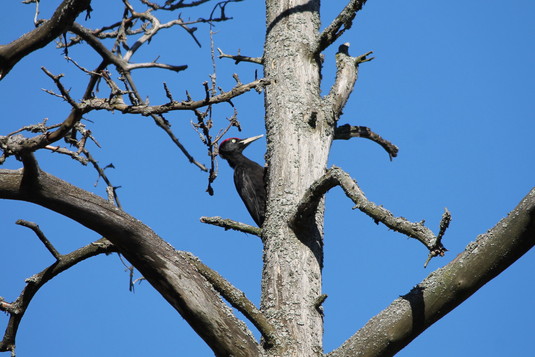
(248, 176)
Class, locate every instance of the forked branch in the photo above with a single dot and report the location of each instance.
(239, 58)
(168, 271)
(337, 177)
(147, 110)
(17, 308)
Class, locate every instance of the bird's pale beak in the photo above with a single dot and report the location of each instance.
(250, 140)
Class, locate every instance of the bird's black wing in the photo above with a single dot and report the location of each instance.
(251, 188)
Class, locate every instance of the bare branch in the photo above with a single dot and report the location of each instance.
(60, 21)
(346, 132)
(337, 177)
(340, 24)
(18, 145)
(146, 110)
(173, 5)
(34, 283)
(157, 65)
(444, 289)
(167, 270)
(123, 67)
(230, 224)
(238, 300)
(346, 76)
(444, 224)
(239, 58)
(35, 227)
(64, 92)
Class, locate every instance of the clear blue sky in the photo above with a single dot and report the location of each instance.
(453, 85)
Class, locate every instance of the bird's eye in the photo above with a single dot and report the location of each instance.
(233, 140)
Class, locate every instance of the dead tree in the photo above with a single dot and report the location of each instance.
(301, 126)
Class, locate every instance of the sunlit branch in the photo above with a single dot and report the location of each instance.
(230, 224)
(337, 177)
(340, 24)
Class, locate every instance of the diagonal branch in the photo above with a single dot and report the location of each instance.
(36, 282)
(60, 21)
(340, 24)
(337, 177)
(123, 67)
(166, 269)
(446, 288)
(35, 227)
(238, 300)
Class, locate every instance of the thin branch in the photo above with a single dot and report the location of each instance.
(35, 227)
(157, 65)
(346, 132)
(110, 189)
(122, 67)
(230, 224)
(74, 155)
(239, 58)
(169, 6)
(237, 299)
(34, 283)
(64, 92)
(146, 110)
(337, 177)
(340, 24)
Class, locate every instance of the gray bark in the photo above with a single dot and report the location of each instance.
(168, 270)
(446, 288)
(296, 157)
(300, 127)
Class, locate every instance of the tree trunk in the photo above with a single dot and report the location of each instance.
(298, 145)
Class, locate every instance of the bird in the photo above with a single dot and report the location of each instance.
(248, 176)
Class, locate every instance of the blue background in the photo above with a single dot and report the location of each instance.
(452, 85)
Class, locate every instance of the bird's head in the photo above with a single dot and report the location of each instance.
(234, 145)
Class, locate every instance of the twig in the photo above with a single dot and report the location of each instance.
(64, 92)
(122, 66)
(346, 132)
(444, 224)
(337, 177)
(67, 152)
(35, 227)
(239, 58)
(230, 224)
